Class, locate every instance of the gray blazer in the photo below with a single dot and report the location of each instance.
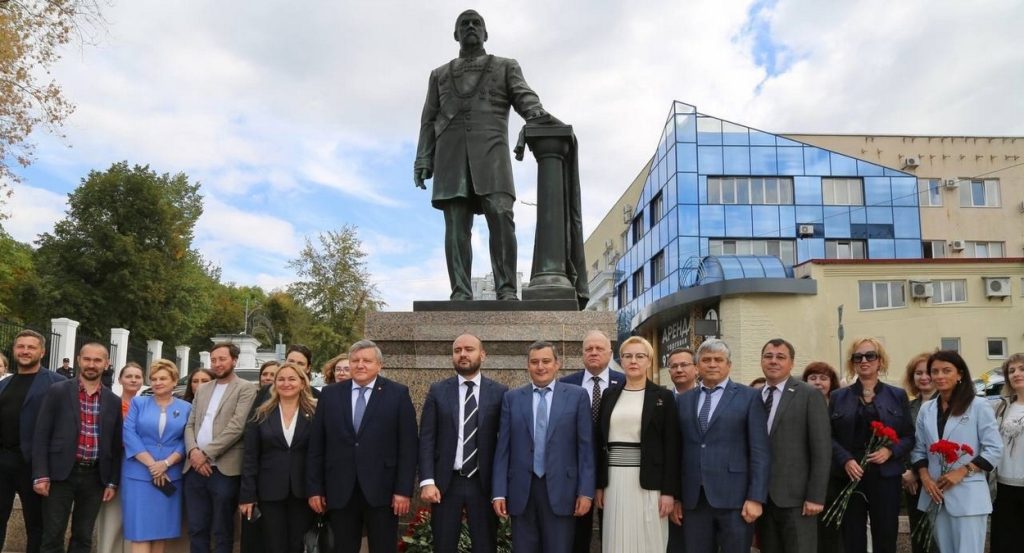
(228, 424)
(801, 443)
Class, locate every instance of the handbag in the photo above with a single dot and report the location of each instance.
(319, 538)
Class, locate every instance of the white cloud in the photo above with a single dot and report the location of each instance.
(226, 234)
(32, 211)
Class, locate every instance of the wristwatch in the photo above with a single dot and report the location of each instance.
(971, 469)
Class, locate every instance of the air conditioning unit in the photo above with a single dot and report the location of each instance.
(911, 162)
(921, 289)
(627, 214)
(957, 245)
(951, 183)
(805, 230)
(997, 287)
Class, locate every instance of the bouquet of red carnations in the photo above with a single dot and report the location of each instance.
(881, 436)
(949, 453)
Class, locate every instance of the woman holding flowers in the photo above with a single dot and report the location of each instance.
(957, 443)
(857, 413)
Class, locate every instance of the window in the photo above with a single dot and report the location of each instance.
(997, 348)
(950, 291)
(750, 190)
(637, 229)
(657, 268)
(622, 295)
(934, 249)
(931, 192)
(983, 249)
(625, 240)
(979, 193)
(949, 344)
(844, 249)
(881, 294)
(842, 191)
(783, 249)
(657, 209)
(638, 283)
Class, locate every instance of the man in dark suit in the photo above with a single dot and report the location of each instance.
(596, 377)
(21, 395)
(76, 456)
(801, 452)
(544, 468)
(362, 454)
(458, 435)
(726, 457)
(65, 369)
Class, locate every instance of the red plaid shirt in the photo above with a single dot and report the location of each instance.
(89, 429)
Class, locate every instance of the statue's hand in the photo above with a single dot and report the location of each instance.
(420, 175)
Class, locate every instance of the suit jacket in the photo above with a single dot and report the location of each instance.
(463, 137)
(801, 443)
(977, 428)
(271, 469)
(228, 424)
(893, 411)
(56, 444)
(439, 431)
(568, 454)
(30, 409)
(659, 439)
(380, 457)
(733, 458)
(142, 433)
(615, 379)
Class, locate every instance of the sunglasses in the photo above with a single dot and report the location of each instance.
(866, 356)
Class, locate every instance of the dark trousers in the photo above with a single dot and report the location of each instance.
(1008, 519)
(446, 517)
(211, 503)
(675, 538)
(829, 540)
(251, 535)
(16, 478)
(880, 501)
(710, 530)
(78, 497)
(285, 523)
(787, 530)
(539, 529)
(458, 249)
(347, 524)
(583, 534)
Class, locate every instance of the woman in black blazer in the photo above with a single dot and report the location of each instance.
(852, 410)
(274, 465)
(638, 457)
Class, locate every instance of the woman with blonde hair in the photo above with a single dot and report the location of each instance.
(918, 384)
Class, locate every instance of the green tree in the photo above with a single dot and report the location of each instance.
(19, 284)
(123, 256)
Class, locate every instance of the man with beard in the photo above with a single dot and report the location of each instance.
(76, 456)
(458, 434)
(21, 395)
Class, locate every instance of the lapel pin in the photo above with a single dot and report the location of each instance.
(176, 413)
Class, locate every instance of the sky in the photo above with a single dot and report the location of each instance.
(298, 118)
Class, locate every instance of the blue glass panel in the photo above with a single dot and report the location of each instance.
(787, 221)
(783, 141)
(709, 160)
(734, 135)
(737, 221)
(837, 222)
(737, 160)
(672, 255)
(816, 161)
(686, 185)
(680, 107)
(879, 215)
(663, 173)
(760, 138)
(908, 249)
(904, 191)
(766, 220)
(807, 190)
(866, 169)
(688, 247)
(892, 172)
(858, 215)
(689, 220)
(712, 220)
(817, 247)
(881, 248)
(686, 128)
(843, 165)
(662, 147)
(709, 131)
(791, 161)
(773, 267)
(703, 246)
(751, 267)
(669, 134)
(877, 191)
(906, 223)
(673, 222)
(686, 158)
(762, 160)
(731, 267)
(808, 214)
(809, 248)
(670, 191)
(670, 159)
(702, 189)
(663, 233)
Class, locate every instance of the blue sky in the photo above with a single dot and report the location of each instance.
(303, 117)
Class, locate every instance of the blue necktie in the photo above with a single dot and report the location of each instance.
(705, 409)
(540, 431)
(357, 419)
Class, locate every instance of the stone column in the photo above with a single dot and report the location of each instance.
(119, 345)
(182, 352)
(154, 351)
(204, 359)
(68, 332)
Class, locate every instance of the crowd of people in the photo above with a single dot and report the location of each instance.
(709, 465)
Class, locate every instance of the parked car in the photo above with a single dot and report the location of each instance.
(990, 384)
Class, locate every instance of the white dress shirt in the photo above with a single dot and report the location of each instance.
(366, 395)
(588, 382)
(716, 396)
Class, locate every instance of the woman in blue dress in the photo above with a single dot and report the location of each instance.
(154, 449)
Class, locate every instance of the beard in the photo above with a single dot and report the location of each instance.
(467, 370)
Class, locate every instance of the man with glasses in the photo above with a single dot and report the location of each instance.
(682, 370)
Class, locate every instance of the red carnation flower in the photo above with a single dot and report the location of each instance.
(966, 449)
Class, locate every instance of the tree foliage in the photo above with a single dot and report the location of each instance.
(18, 281)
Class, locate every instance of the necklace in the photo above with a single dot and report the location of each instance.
(476, 87)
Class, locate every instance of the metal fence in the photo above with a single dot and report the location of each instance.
(10, 329)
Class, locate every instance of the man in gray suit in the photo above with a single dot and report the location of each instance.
(801, 448)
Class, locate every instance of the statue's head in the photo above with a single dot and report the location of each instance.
(470, 29)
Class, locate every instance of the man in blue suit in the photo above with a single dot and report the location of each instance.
(596, 377)
(458, 435)
(544, 464)
(362, 454)
(21, 395)
(726, 457)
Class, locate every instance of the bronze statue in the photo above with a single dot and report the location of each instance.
(463, 146)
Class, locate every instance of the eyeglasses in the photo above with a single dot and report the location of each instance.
(776, 356)
(632, 356)
(682, 365)
(866, 356)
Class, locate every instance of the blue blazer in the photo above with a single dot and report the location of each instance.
(977, 428)
(893, 411)
(141, 433)
(569, 470)
(439, 431)
(733, 458)
(30, 409)
(380, 458)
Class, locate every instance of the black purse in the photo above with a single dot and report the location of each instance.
(319, 538)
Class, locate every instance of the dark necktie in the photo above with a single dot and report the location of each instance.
(357, 418)
(595, 404)
(469, 421)
(769, 400)
(705, 410)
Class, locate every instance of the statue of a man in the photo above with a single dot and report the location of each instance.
(463, 146)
